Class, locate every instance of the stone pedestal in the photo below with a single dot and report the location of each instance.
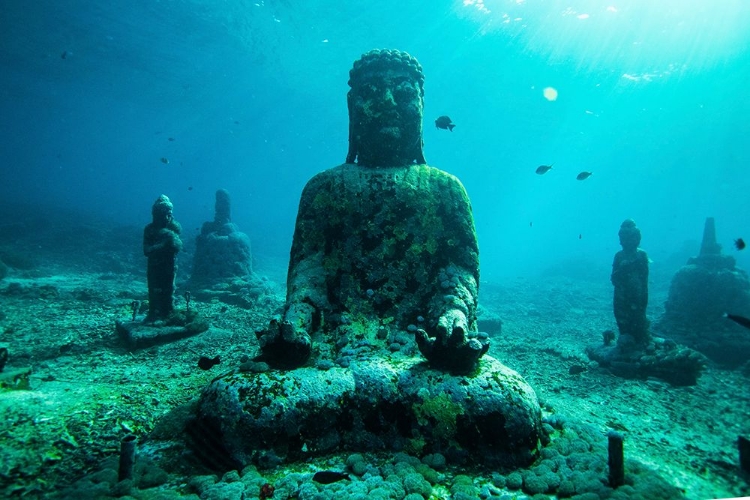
(491, 417)
(660, 358)
(137, 334)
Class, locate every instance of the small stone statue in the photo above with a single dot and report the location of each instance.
(638, 354)
(163, 322)
(630, 278)
(383, 237)
(161, 243)
(222, 252)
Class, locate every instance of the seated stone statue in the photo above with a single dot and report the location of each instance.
(384, 236)
(384, 261)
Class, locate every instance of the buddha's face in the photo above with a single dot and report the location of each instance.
(386, 115)
(630, 238)
(162, 216)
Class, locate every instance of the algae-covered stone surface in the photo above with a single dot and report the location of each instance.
(391, 242)
(375, 404)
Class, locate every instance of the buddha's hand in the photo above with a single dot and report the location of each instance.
(451, 347)
(282, 346)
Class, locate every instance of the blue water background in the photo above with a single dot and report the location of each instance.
(653, 98)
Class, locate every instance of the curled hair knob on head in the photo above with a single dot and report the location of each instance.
(161, 205)
(379, 60)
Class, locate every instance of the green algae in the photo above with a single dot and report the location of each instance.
(440, 411)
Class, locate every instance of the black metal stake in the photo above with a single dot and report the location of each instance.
(127, 457)
(616, 459)
(744, 446)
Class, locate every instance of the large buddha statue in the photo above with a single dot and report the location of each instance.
(383, 237)
(384, 265)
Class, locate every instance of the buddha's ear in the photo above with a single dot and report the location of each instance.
(420, 154)
(351, 155)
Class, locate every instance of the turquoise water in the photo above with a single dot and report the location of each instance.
(651, 98)
(106, 105)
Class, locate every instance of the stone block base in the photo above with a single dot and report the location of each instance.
(491, 417)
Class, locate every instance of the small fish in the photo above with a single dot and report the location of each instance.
(170, 139)
(531, 224)
(583, 176)
(739, 243)
(543, 169)
(329, 476)
(207, 363)
(64, 55)
(445, 123)
(580, 236)
(164, 160)
(190, 188)
(740, 320)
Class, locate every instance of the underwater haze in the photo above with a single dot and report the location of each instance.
(640, 108)
(106, 105)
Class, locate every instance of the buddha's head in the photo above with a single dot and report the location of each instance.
(161, 211)
(630, 235)
(386, 102)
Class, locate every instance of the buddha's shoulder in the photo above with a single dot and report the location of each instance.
(351, 170)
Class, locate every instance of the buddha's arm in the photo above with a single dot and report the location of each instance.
(451, 342)
(306, 279)
(461, 272)
(287, 343)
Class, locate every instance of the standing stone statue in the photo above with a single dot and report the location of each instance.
(161, 243)
(638, 354)
(222, 252)
(383, 237)
(163, 322)
(630, 278)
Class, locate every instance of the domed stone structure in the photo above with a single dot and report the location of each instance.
(222, 251)
(708, 287)
(223, 262)
(384, 266)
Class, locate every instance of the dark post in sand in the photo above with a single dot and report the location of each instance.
(616, 459)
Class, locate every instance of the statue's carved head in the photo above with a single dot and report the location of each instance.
(161, 211)
(386, 103)
(630, 235)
